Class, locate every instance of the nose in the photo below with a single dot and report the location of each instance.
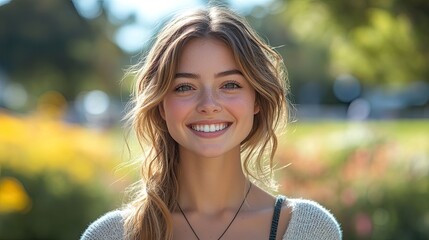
(208, 103)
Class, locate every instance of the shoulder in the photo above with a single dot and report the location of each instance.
(310, 220)
(108, 226)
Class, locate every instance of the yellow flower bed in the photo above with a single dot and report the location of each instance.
(13, 197)
(37, 144)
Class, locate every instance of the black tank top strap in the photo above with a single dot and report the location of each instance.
(276, 216)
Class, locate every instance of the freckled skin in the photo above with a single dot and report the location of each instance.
(201, 94)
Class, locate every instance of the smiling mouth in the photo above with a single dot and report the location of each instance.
(208, 128)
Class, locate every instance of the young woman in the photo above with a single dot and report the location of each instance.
(208, 100)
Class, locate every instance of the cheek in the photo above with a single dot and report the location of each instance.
(244, 110)
(174, 110)
(245, 104)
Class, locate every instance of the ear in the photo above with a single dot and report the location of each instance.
(161, 110)
(256, 108)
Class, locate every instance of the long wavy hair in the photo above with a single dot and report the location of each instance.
(153, 202)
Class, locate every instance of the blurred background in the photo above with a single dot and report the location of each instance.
(358, 142)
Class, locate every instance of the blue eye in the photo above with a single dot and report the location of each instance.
(183, 88)
(231, 85)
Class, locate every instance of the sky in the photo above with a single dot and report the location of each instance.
(148, 15)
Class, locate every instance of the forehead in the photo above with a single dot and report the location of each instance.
(206, 53)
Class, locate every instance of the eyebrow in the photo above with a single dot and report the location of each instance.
(229, 72)
(217, 75)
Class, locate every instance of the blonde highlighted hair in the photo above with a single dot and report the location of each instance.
(150, 216)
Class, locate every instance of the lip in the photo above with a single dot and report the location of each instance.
(225, 124)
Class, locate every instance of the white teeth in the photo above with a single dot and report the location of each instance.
(209, 127)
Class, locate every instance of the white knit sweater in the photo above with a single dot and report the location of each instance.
(309, 221)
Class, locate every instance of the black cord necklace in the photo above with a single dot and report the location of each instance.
(230, 223)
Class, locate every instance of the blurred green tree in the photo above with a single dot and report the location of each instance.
(379, 42)
(47, 45)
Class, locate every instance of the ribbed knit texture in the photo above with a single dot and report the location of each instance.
(309, 221)
(107, 227)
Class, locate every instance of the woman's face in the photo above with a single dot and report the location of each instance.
(210, 106)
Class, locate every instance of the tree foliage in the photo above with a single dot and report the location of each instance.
(380, 42)
(47, 45)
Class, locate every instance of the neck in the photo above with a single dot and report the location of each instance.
(211, 185)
